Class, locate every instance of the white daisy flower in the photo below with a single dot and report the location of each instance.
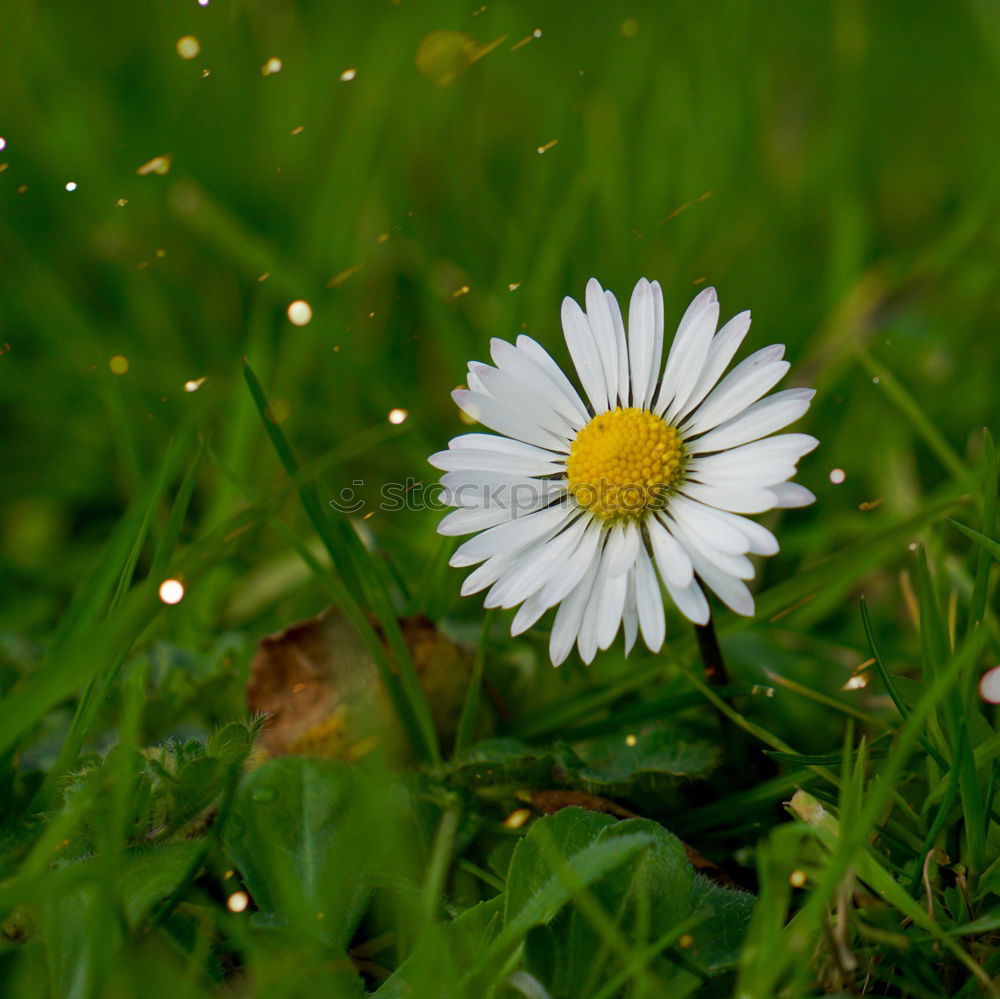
(593, 507)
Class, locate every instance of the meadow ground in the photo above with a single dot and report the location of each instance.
(426, 176)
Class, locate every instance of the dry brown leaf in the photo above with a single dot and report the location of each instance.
(322, 692)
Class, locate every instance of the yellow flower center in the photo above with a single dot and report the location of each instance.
(624, 462)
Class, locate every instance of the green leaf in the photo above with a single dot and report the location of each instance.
(444, 952)
(505, 761)
(81, 937)
(150, 874)
(294, 833)
(659, 757)
(651, 892)
(663, 755)
(988, 545)
(81, 928)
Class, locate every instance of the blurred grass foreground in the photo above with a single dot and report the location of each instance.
(354, 197)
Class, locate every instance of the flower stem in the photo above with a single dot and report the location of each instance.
(734, 741)
(711, 655)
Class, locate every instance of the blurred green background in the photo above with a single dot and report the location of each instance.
(428, 175)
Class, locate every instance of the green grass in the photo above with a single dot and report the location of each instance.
(831, 166)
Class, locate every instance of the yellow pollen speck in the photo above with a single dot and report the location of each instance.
(686, 941)
(118, 364)
(158, 164)
(797, 879)
(631, 740)
(517, 818)
(624, 462)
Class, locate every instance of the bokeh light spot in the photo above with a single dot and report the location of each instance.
(989, 686)
(188, 46)
(171, 591)
(300, 313)
(238, 901)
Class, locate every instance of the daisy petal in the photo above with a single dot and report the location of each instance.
(760, 540)
(654, 374)
(576, 567)
(505, 419)
(489, 490)
(700, 550)
(791, 495)
(733, 593)
(456, 459)
(569, 617)
(604, 611)
(690, 601)
(630, 615)
(467, 521)
(686, 358)
(603, 328)
(535, 567)
(641, 341)
(586, 358)
(649, 603)
(623, 545)
(528, 613)
(610, 609)
(488, 573)
(474, 383)
(725, 343)
(706, 522)
(733, 499)
(744, 385)
(513, 535)
(740, 473)
(671, 559)
(504, 445)
(621, 340)
(536, 353)
(530, 403)
(519, 366)
(758, 420)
